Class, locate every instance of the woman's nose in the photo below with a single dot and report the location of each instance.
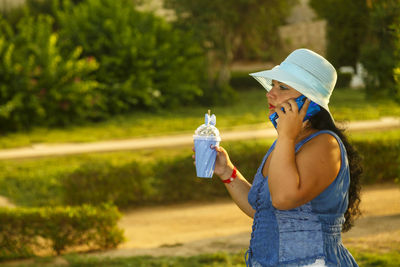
(270, 94)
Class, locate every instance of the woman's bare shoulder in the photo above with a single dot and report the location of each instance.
(322, 144)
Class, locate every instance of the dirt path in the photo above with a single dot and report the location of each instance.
(5, 202)
(197, 228)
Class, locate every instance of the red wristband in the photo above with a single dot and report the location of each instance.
(233, 176)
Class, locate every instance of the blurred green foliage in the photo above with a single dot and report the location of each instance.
(39, 85)
(89, 60)
(144, 61)
(343, 80)
(242, 81)
(32, 8)
(173, 179)
(366, 32)
(381, 51)
(25, 231)
(380, 155)
(103, 182)
(227, 31)
(347, 23)
(162, 176)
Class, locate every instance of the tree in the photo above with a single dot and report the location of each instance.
(224, 26)
(347, 23)
(381, 51)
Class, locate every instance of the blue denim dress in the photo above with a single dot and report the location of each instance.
(300, 236)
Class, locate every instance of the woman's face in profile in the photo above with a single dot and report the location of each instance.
(279, 94)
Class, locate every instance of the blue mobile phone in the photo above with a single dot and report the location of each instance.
(313, 109)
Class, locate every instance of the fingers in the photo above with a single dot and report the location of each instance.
(194, 156)
(279, 111)
(293, 105)
(286, 106)
(303, 110)
(217, 148)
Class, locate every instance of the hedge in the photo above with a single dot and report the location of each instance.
(381, 160)
(26, 231)
(152, 177)
(174, 179)
(242, 81)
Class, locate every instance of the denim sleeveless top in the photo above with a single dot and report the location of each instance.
(302, 235)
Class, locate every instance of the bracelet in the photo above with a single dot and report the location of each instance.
(233, 176)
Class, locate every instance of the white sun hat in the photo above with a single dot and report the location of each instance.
(307, 72)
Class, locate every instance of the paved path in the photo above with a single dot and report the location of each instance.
(44, 150)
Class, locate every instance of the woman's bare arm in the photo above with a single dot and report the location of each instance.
(239, 190)
(295, 179)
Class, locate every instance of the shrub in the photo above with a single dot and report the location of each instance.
(144, 62)
(99, 181)
(39, 86)
(25, 231)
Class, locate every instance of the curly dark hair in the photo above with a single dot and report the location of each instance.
(323, 121)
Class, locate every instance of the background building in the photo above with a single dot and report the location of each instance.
(303, 30)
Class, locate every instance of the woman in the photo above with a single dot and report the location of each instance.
(302, 196)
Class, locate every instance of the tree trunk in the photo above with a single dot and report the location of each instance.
(226, 57)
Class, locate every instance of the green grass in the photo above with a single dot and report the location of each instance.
(373, 258)
(249, 109)
(219, 259)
